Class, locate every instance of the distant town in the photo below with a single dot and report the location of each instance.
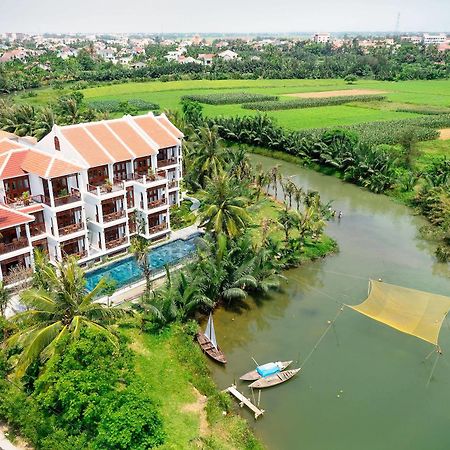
(130, 50)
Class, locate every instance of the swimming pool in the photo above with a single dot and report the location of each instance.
(126, 271)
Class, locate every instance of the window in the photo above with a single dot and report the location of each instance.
(57, 145)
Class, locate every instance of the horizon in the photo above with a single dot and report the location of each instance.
(251, 17)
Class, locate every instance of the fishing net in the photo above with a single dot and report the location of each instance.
(413, 312)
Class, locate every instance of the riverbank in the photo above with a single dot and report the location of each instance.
(195, 413)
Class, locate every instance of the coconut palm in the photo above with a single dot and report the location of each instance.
(140, 248)
(288, 220)
(208, 153)
(45, 119)
(61, 310)
(224, 207)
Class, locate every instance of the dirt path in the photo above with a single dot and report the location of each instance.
(341, 93)
(6, 444)
(444, 134)
(199, 407)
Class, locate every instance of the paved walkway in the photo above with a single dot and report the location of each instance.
(5, 444)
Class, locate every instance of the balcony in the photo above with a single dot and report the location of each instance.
(173, 184)
(157, 203)
(157, 228)
(74, 196)
(37, 228)
(113, 216)
(106, 188)
(167, 162)
(116, 243)
(79, 255)
(69, 229)
(16, 244)
(24, 273)
(23, 202)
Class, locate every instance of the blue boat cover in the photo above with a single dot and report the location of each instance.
(268, 369)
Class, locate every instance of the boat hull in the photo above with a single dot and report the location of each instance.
(214, 353)
(273, 380)
(254, 375)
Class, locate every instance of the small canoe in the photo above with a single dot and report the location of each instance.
(207, 346)
(273, 380)
(254, 375)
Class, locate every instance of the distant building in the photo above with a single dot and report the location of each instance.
(412, 39)
(434, 39)
(17, 54)
(321, 38)
(228, 55)
(206, 58)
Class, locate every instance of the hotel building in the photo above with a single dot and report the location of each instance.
(85, 189)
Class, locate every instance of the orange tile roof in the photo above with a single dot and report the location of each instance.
(32, 209)
(131, 137)
(155, 131)
(83, 143)
(106, 137)
(10, 218)
(11, 164)
(47, 166)
(6, 145)
(166, 123)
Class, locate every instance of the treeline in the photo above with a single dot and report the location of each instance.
(301, 60)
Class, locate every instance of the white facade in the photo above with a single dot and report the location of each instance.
(436, 39)
(321, 38)
(93, 211)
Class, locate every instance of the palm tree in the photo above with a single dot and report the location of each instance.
(274, 173)
(224, 207)
(58, 311)
(208, 153)
(4, 298)
(45, 120)
(288, 220)
(140, 248)
(298, 195)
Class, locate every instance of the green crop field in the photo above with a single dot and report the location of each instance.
(435, 93)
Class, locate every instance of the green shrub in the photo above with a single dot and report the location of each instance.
(310, 102)
(112, 106)
(229, 98)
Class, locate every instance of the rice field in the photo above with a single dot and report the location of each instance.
(435, 93)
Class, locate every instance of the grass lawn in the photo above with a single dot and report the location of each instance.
(167, 95)
(170, 365)
(437, 147)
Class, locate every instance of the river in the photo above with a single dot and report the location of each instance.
(367, 386)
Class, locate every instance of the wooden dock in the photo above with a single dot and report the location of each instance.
(244, 401)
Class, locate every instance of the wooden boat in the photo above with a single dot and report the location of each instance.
(254, 375)
(208, 343)
(273, 380)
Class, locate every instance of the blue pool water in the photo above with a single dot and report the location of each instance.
(126, 271)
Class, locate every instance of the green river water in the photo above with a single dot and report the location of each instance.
(366, 386)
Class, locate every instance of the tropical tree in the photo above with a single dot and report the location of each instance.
(288, 220)
(224, 206)
(208, 154)
(62, 309)
(45, 119)
(140, 248)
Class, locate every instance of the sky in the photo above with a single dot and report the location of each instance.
(230, 16)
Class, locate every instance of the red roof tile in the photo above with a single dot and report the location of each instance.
(155, 131)
(11, 164)
(131, 137)
(166, 123)
(106, 137)
(10, 218)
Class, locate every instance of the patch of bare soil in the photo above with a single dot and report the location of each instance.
(19, 444)
(444, 134)
(198, 407)
(341, 93)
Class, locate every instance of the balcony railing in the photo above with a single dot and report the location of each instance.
(21, 202)
(147, 178)
(158, 228)
(113, 216)
(106, 188)
(16, 244)
(37, 228)
(79, 254)
(116, 242)
(167, 162)
(173, 184)
(74, 196)
(25, 273)
(73, 228)
(157, 203)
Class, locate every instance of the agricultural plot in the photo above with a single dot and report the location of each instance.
(407, 99)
